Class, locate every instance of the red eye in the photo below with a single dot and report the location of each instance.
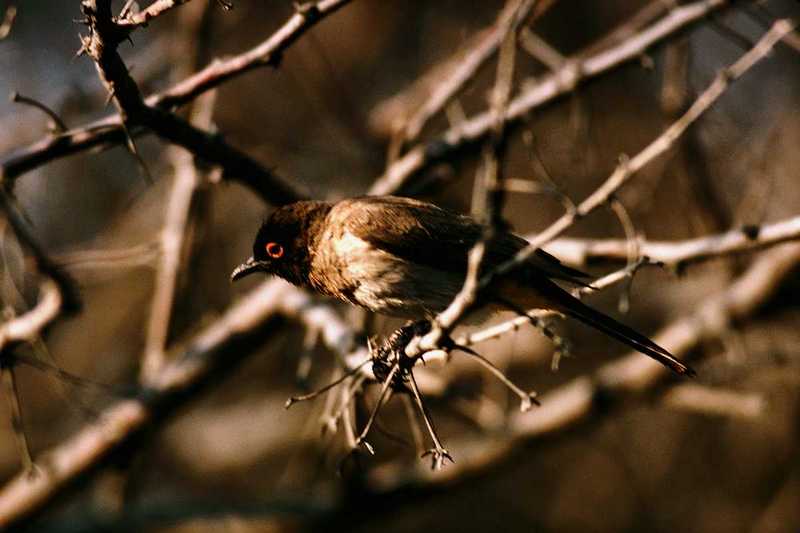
(274, 250)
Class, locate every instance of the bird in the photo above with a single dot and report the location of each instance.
(408, 258)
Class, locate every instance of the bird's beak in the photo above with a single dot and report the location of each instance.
(248, 267)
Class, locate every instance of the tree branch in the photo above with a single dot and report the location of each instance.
(109, 131)
(29, 326)
(679, 253)
(200, 364)
(575, 70)
(573, 402)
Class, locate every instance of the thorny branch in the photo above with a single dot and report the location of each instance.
(218, 345)
(132, 20)
(101, 46)
(237, 165)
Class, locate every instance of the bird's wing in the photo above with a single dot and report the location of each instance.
(429, 235)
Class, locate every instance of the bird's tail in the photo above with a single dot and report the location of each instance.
(591, 317)
(554, 296)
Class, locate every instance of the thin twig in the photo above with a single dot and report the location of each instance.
(311, 395)
(460, 72)
(58, 125)
(678, 253)
(575, 401)
(29, 326)
(177, 224)
(237, 165)
(629, 167)
(438, 453)
(69, 293)
(8, 21)
(131, 21)
(385, 394)
(201, 363)
(576, 69)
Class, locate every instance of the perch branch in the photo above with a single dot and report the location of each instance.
(573, 402)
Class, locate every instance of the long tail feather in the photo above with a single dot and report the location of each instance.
(591, 317)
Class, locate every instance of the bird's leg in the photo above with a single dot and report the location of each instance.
(438, 452)
(527, 399)
(385, 390)
(416, 431)
(311, 395)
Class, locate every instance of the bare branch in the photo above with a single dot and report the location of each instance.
(575, 70)
(186, 181)
(675, 254)
(45, 265)
(199, 364)
(131, 21)
(573, 402)
(58, 124)
(29, 326)
(628, 168)
(463, 68)
(8, 21)
(237, 165)
(715, 401)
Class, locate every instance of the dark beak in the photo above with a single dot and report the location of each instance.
(248, 267)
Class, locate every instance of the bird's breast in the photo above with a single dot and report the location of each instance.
(352, 269)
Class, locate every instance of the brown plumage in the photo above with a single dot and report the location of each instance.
(407, 258)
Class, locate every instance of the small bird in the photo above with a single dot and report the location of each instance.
(407, 258)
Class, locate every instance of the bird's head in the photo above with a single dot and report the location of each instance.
(281, 246)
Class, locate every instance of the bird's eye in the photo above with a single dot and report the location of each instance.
(274, 250)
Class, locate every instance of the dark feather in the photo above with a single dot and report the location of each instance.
(441, 239)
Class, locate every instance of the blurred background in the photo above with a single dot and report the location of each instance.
(233, 459)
